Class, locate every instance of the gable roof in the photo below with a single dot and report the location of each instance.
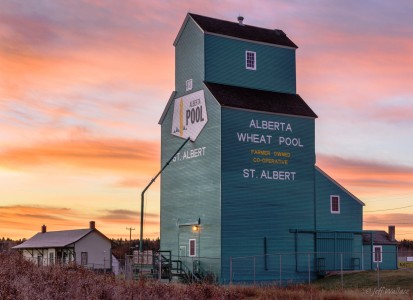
(339, 185)
(54, 239)
(379, 238)
(168, 104)
(259, 100)
(245, 32)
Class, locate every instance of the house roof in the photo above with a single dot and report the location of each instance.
(259, 100)
(379, 238)
(54, 239)
(246, 32)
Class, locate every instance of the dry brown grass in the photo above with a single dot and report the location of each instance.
(20, 279)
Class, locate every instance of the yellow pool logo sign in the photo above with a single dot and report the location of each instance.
(190, 115)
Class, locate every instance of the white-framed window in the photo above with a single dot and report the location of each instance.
(51, 258)
(335, 204)
(192, 247)
(250, 60)
(377, 254)
(188, 85)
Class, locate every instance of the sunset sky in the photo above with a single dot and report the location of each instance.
(83, 84)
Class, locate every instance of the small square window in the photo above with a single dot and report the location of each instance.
(377, 254)
(335, 204)
(192, 247)
(188, 85)
(250, 60)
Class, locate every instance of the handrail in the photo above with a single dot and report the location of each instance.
(147, 187)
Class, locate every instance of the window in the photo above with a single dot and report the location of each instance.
(335, 204)
(192, 247)
(51, 258)
(377, 254)
(83, 258)
(188, 85)
(250, 60)
(39, 260)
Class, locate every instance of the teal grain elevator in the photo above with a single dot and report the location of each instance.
(244, 198)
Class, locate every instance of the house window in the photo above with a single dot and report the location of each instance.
(83, 258)
(188, 85)
(192, 247)
(250, 60)
(377, 254)
(39, 260)
(51, 258)
(335, 204)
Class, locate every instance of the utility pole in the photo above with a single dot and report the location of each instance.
(130, 233)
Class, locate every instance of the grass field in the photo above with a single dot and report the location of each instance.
(20, 279)
(369, 279)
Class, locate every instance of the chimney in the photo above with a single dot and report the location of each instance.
(392, 233)
(44, 228)
(240, 19)
(92, 225)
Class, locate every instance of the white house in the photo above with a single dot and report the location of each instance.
(87, 247)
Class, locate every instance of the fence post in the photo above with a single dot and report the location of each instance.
(160, 265)
(230, 270)
(254, 270)
(378, 275)
(309, 269)
(193, 276)
(341, 269)
(280, 270)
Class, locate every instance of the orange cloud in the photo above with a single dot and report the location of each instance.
(124, 215)
(402, 221)
(122, 218)
(20, 221)
(367, 177)
(133, 182)
(79, 81)
(128, 156)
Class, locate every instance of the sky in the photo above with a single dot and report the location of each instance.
(83, 84)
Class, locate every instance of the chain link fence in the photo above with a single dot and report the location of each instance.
(287, 268)
(281, 268)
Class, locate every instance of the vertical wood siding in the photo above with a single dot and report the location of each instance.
(253, 208)
(191, 189)
(189, 59)
(225, 64)
(389, 258)
(351, 212)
